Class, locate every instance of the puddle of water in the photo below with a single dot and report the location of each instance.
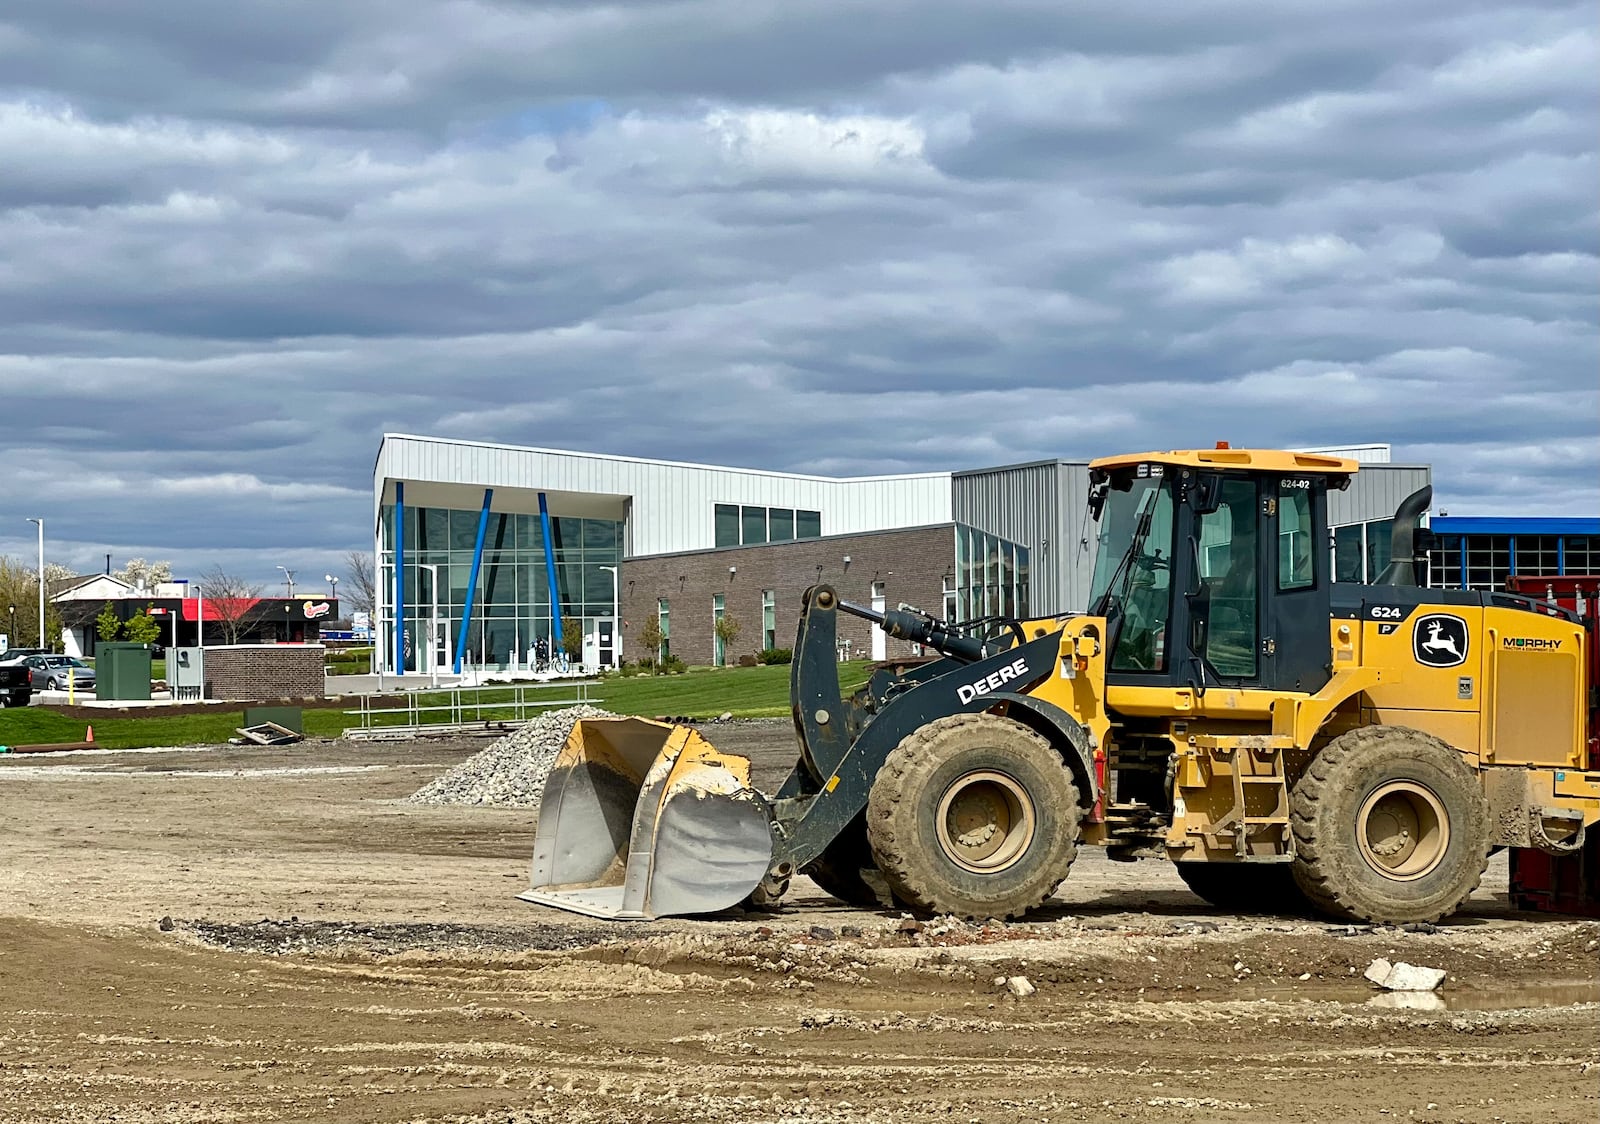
(1558, 993)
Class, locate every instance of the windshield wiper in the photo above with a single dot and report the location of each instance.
(1145, 515)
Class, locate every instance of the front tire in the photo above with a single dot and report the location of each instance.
(974, 815)
(1391, 826)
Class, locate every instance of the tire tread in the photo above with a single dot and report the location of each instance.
(1317, 854)
(898, 857)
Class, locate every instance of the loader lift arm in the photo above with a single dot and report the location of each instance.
(642, 819)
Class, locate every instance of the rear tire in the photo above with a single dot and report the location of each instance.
(1391, 826)
(1244, 887)
(974, 815)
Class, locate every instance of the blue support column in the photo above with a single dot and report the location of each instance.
(1464, 583)
(399, 577)
(472, 581)
(550, 577)
(1561, 554)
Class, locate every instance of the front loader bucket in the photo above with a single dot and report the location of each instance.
(641, 820)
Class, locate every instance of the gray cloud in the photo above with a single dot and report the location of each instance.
(237, 244)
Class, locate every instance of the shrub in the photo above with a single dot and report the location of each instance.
(776, 655)
(672, 665)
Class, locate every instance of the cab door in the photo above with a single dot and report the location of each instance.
(1225, 600)
(1295, 650)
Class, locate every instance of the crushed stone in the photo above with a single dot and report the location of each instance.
(511, 770)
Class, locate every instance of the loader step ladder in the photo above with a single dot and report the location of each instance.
(1257, 762)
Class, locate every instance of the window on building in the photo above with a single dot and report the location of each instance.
(753, 525)
(951, 606)
(719, 651)
(1444, 563)
(1296, 551)
(1024, 577)
(1538, 555)
(769, 619)
(727, 520)
(664, 624)
(1580, 554)
(1488, 561)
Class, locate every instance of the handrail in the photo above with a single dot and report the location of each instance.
(509, 704)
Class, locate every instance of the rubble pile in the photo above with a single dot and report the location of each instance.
(510, 770)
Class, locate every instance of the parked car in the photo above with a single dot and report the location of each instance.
(54, 673)
(17, 655)
(16, 688)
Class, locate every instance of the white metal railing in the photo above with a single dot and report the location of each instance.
(461, 708)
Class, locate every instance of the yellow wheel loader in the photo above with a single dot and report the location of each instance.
(1223, 704)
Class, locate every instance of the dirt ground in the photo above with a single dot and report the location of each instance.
(334, 953)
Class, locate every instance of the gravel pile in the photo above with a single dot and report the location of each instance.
(512, 769)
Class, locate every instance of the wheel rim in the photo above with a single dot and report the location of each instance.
(1403, 830)
(985, 822)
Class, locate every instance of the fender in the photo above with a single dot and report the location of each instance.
(803, 825)
(1061, 730)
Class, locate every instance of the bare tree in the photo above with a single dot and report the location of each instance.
(230, 597)
(363, 586)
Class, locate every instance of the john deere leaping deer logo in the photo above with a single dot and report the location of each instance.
(1440, 640)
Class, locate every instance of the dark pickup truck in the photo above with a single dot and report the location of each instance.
(16, 685)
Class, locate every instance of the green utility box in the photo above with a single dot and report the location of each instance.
(289, 717)
(122, 671)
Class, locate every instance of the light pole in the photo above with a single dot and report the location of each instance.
(616, 609)
(433, 622)
(40, 521)
(333, 586)
(13, 630)
(288, 576)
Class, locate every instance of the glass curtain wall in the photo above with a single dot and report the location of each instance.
(511, 612)
(991, 576)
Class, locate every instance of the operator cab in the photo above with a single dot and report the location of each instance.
(1212, 569)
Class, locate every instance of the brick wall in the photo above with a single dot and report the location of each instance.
(249, 672)
(911, 564)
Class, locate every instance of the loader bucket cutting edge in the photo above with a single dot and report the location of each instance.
(642, 819)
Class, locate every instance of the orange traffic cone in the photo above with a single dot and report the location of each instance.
(88, 734)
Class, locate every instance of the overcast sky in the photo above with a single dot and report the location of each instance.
(239, 242)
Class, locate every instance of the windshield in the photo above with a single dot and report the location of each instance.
(1133, 573)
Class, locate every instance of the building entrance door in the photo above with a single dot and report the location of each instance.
(600, 642)
(439, 647)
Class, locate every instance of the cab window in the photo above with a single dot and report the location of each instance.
(1296, 552)
(1228, 566)
(1146, 577)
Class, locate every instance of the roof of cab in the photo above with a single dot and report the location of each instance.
(1260, 460)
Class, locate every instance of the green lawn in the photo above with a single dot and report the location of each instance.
(748, 692)
(37, 724)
